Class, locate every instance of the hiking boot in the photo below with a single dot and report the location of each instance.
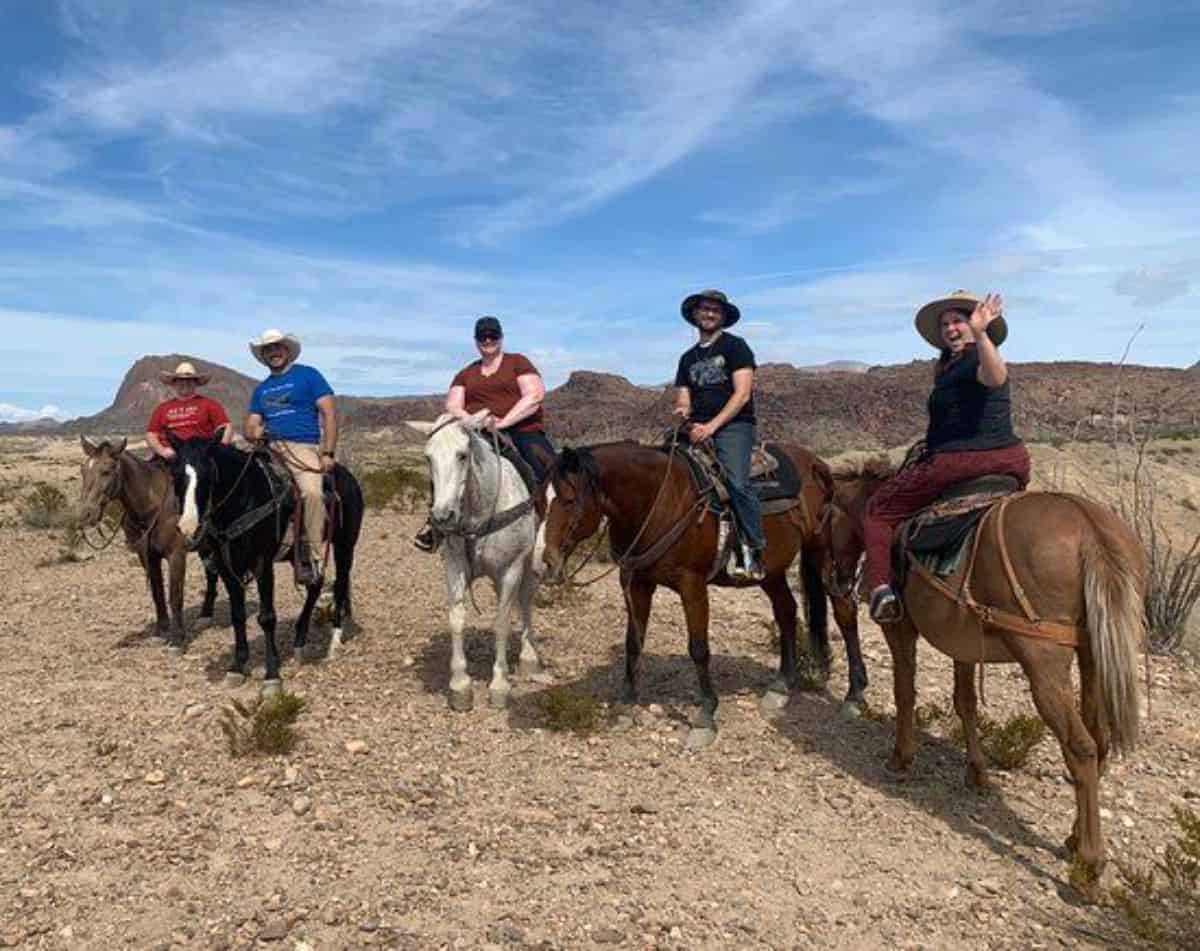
(886, 607)
(749, 566)
(426, 539)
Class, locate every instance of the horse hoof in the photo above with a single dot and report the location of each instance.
(700, 738)
(976, 778)
(335, 639)
(528, 668)
(461, 700)
(203, 622)
(772, 702)
(174, 650)
(498, 699)
(897, 765)
(234, 679)
(270, 688)
(850, 711)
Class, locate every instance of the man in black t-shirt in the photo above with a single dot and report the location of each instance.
(714, 388)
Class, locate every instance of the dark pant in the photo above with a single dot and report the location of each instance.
(734, 443)
(915, 487)
(525, 443)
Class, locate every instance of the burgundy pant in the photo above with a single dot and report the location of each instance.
(914, 488)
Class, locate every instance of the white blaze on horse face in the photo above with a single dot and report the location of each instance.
(189, 521)
(539, 542)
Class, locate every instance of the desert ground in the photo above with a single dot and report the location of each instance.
(125, 822)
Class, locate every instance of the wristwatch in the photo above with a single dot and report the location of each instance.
(330, 453)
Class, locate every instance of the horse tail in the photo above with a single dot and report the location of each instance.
(1112, 588)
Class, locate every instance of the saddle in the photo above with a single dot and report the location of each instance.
(773, 476)
(286, 492)
(938, 536)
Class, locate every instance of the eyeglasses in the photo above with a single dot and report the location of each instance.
(703, 309)
(488, 337)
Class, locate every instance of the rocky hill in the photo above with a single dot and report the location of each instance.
(831, 410)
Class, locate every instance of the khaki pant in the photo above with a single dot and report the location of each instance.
(304, 462)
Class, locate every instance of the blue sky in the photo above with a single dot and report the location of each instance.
(373, 175)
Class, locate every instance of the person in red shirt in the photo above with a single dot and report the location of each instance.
(188, 415)
(509, 386)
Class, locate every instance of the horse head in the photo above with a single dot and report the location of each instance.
(574, 508)
(842, 520)
(448, 449)
(101, 481)
(194, 473)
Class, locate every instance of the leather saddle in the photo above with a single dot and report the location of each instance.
(938, 535)
(773, 476)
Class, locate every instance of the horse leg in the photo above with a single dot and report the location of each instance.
(818, 661)
(311, 593)
(902, 642)
(966, 706)
(639, 594)
(210, 592)
(531, 660)
(1048, 667)
(343, 560)
(845, 611)
(272, 683)
(783, 606)
(1090, 701)
(237, 617)
(462, 696)
(694, 592)
(507, 591)
(153, 564)
(176, 568)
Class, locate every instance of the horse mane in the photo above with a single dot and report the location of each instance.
(873, 466)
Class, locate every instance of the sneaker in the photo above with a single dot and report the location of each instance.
(886, 607)
(426, 539)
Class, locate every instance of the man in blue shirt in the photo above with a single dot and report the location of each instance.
(295, 408)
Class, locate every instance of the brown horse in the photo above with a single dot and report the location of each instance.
(661, 532)
(146, 493)
(1052, 577)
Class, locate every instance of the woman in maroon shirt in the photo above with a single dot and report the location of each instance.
(509, 386)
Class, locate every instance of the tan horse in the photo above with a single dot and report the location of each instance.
(1052, 577)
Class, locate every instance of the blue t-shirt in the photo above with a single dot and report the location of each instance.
(288, 404)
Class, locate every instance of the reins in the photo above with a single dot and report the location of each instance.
(125, 509)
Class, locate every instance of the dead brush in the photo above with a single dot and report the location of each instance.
(569, 712)
(45, 506)
(1162, 902)
(1008, 744)
(265, 727)
(401, 487)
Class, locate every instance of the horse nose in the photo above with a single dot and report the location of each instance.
(442, 516)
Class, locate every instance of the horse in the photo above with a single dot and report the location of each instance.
(240, 506)
(489, 524)
(652, 506)
(149, 516)
(1052, 576)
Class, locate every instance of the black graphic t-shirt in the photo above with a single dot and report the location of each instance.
(707, 372)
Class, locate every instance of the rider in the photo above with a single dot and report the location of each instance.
(509, 386)
(970, 430)
(295, 407)
(714, 388)
(187, 415)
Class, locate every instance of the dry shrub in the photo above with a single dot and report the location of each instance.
(568, 711)
(45, 506)
(1162, 901)
(398, 486)
(262, 726)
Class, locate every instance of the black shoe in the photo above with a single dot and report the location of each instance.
(886, 607)
(426, 539)
(752, 558)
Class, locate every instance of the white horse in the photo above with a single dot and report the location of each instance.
(485, 515)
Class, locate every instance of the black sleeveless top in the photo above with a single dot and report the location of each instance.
(965, 415)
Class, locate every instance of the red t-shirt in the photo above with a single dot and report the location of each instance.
(194, 418)
(500, 391)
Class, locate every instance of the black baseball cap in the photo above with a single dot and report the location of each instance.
(488, 325)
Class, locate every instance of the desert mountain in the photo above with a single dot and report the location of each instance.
(829, 410)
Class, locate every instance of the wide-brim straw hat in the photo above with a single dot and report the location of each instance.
(185, 371)
(929, 317)
(291, 341)
(732, 314)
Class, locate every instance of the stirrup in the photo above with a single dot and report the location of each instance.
(886, 607)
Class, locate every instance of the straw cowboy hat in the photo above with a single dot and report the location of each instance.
(929, 317)
(185, 371)
(291, 341)
(732, 314)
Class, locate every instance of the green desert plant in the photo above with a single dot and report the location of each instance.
(1008, 744)
(1162, 901)
(568, 711)
(263, 726)
(45, 506)
(401, 486)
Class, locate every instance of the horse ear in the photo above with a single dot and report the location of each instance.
(89, 447)
(422, 427)
(121, 448)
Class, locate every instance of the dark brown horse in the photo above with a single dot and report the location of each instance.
(1053, 577)
(661, 532)
(145, 492)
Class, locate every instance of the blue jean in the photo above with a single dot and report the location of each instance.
(734, 443)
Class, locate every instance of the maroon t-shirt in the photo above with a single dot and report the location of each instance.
(499, 392)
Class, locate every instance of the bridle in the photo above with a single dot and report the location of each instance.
(112, 492)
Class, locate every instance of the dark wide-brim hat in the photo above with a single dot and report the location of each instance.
(732, 314)
(929, 317)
